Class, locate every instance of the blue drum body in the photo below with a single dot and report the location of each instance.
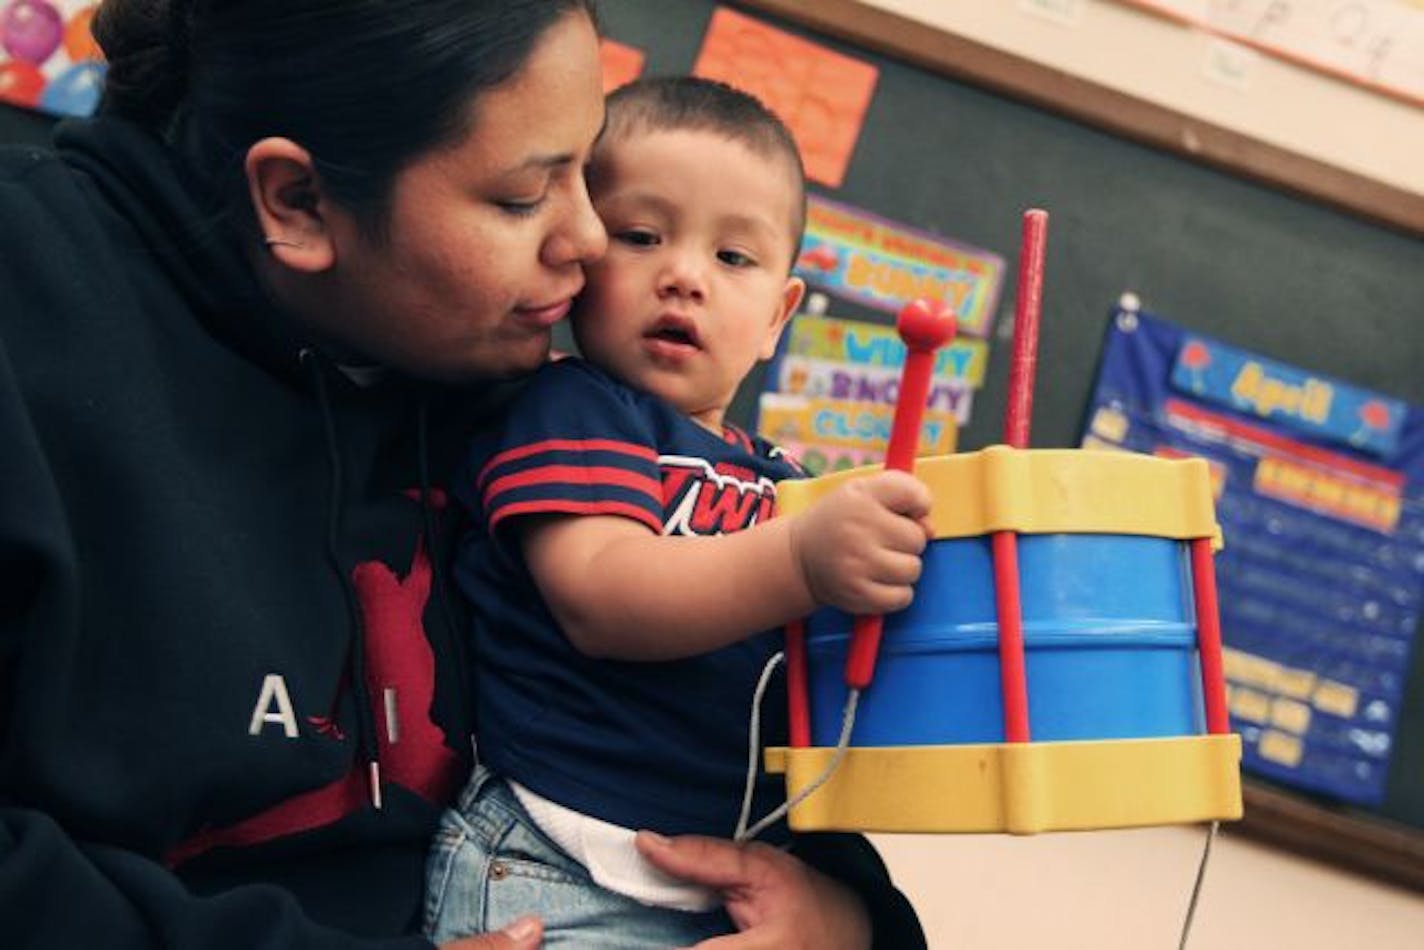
(1109, 647)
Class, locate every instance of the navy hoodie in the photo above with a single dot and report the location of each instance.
(233, 694)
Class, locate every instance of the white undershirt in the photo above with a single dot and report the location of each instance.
(612, 860)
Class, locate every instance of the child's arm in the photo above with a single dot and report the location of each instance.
(620, 591)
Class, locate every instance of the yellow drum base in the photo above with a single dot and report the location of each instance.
(1019, 788)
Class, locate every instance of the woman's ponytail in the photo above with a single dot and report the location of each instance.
(146, 44)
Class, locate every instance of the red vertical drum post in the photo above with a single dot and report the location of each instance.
(1209, 637)
(797, 686)
(1013, 680)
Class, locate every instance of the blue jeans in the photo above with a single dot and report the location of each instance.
(490, 865)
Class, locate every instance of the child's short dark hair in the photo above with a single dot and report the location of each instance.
(672, 103)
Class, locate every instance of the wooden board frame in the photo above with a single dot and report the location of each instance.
(1372, 846)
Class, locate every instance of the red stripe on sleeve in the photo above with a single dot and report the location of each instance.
(568, 445)
(561, 506)
(574, 475)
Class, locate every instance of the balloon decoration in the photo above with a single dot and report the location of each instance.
(48, 58)
(74, 91)
(21, 83)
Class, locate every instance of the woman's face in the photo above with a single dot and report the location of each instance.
(487, 238)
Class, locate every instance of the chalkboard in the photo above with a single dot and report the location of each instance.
(1244, 262)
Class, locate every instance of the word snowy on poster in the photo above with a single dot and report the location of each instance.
(803, 376)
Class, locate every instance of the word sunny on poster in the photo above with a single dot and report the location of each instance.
(1320, 496)
(884, 265)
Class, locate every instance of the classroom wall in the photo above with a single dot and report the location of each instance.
(1132, 51)
(1127, 890)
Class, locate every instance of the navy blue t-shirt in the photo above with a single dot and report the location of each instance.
(659, 745)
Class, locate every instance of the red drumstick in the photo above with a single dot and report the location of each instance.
(924, 328)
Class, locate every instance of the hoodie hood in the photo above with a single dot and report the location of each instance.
(196, 246)
(201, 257)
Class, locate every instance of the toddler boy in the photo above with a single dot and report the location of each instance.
(626, 577)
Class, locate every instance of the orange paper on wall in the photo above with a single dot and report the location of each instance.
(621, 64)
(820, 94)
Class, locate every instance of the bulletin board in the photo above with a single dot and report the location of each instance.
(1240, 259)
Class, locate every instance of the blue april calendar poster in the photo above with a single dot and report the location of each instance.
(1320, 496)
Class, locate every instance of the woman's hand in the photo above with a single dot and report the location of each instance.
(776, 901)
(526, 933)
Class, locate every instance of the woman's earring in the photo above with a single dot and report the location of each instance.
(279, 242)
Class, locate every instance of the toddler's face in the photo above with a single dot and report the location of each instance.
(694, 287)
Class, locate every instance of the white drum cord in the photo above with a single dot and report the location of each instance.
(743, 833)
(1196, 887)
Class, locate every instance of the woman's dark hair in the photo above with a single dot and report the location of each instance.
(366, 86)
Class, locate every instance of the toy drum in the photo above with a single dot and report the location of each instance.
(1113, 566)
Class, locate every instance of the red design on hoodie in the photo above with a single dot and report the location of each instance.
(398, 657)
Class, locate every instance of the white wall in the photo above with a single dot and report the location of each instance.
(1128, 890)
(1131, 51)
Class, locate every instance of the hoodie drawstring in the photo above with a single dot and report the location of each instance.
(437, 563)
(356, 655)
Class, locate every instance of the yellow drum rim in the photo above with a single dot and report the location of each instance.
(1018, 788)
(1049, 491)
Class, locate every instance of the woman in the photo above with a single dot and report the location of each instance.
(247, 311)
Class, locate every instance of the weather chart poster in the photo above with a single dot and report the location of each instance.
(874, 264)
(48, 59)
(1320, 496)
(831, 392)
